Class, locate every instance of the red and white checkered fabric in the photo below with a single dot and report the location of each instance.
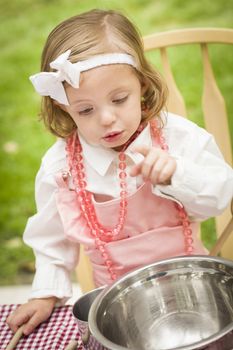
(54, 334)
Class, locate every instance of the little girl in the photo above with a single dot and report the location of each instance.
(126, 179)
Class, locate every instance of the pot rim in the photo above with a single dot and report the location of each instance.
(96, 303)
(83, 297)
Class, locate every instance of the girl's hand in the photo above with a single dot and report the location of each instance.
(157, 166)
(31, 314)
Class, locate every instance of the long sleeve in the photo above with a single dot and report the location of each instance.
(203, 181)
(55, 255)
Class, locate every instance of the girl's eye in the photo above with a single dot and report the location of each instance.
(120, 100)
(86, 111)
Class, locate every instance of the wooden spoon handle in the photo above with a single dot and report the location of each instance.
(15, 339)
(72, 345)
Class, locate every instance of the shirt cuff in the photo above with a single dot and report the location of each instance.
(169, 191)
(51, 281)
(182, 185)
(178, 176)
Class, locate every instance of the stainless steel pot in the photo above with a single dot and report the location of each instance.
(182, 303)
(80, 311)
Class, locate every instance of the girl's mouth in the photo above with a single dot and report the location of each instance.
(112, 136)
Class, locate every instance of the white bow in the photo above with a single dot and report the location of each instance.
(50, 83)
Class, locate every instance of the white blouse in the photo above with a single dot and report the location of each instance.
(203, 183)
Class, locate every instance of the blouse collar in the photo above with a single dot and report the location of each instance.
(101, 158)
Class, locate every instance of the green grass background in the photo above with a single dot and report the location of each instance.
(24, 26)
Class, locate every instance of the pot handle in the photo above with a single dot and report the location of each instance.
(224, 236)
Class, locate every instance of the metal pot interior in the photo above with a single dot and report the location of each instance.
(82, 305)
(178, 303)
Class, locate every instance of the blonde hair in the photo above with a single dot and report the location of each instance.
(92, 33)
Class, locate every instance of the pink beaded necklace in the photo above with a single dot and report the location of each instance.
(101, 234)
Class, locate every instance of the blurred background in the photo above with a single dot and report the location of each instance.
(24, 27)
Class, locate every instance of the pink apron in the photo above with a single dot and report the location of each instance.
(152, 231)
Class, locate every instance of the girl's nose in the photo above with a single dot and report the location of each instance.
(107, 116)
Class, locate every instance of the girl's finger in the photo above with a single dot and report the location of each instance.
(16, 319)
(33, 322)
(157, 169)
(148, 163)
(167, 172)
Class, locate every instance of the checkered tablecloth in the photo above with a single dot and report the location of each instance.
(54, 334)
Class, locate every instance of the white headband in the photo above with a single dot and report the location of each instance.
(50, 83)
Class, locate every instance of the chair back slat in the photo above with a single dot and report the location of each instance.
(175, 102)
(215, 116)
(214, 108)
(188, 36)
(84, 272)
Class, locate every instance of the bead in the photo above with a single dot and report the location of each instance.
(101, 231)
(79, 148)
(101, 249)
(89, 207)
(185, 224)
(113, 276)
(122, 175)
(190, 249)
(162, 139)
(115, 231)
(122, 165)
(79, 166)
(92, 218)
(188, 232)
(81, 199)
(96, 225)
(108, 233)
(97, 240)
(122, 156)
(83, 207)
(82, 184)
(140, 128)
(81, 175)
(189, 241)
(105, 256)
(94, 232)
(108, 263)
(182, 215)
(121, 221)
(89, 223)
(118, 228)
(79, 157)
(123, 204)
(123, 194)
(123, 211)
(123, 184)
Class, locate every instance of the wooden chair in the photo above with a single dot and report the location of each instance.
(213, 105)
(214, 110)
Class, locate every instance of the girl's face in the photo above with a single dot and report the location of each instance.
(107, 106)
